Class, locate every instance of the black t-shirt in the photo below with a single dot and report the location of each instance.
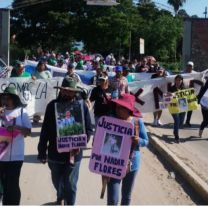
(101, 106)
(155, 76)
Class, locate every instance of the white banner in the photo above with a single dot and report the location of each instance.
(145, 89)
(37, 94)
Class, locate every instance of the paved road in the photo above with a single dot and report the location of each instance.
(193, 150)
(154, 185)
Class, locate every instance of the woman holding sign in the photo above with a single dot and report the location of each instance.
(15, 119)
(125, 110)
(178, 117)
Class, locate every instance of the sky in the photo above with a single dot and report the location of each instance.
(192, 7)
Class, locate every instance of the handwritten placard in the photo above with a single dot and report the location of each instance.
(111, 147)
(70, 126)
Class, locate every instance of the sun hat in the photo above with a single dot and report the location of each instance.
(11, 90)
(190, 63)
(128, 101)
(69, 84)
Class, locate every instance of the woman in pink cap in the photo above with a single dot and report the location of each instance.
(125, 110)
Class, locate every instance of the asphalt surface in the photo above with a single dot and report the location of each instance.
(154, 184)
(189, 156)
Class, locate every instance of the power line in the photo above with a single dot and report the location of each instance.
(27, 3)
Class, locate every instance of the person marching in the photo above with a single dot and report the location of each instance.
(203, 100)
(157, 114)
(41, 72)
(99, 96)
(64, 172)
(189, 70)
(118, 85)
(178, 117)
(19, 70)
(71, 73)
(126, 111)
(15, 118)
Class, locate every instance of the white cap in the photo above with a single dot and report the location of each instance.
(190, 63)
(102, 77)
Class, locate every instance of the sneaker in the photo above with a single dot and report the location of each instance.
(60, 201)
(188, 124)
(159, 122)
(155, 122)
(200, 133)
(177, 141)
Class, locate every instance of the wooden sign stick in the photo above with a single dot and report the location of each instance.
(104, 184)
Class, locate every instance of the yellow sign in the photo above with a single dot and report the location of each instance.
(183, 101)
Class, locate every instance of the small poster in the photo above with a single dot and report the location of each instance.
(6, 139)
(183, 101)
(183, 104)
(165, 101)
(111, 147)
(70, 126)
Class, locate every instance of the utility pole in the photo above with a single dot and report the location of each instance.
(4, 34)
(130, 45)
(205, 13)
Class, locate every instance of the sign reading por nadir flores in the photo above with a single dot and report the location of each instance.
(111, 147)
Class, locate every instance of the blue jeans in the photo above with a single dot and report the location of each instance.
(126, 190)
(178, 123)
(65, 178)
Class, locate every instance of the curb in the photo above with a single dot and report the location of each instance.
(199, 185)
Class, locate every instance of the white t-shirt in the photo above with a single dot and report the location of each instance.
(16, 148)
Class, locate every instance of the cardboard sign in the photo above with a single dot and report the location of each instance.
(70, 126)
(6, 139)
(111, 147)
(165, 101)
(183, 101)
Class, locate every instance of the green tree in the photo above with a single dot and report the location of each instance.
(183, 13)
(48, 25)
(57, 24)
(176, 4)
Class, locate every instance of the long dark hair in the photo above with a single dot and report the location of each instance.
(181, 78)
(16, 100)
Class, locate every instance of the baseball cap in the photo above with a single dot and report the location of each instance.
(190, 63)
(118, 69)
(103, 77)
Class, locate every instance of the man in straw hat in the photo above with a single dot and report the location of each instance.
(64, 171)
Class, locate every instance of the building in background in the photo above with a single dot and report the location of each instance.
(195, 43)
